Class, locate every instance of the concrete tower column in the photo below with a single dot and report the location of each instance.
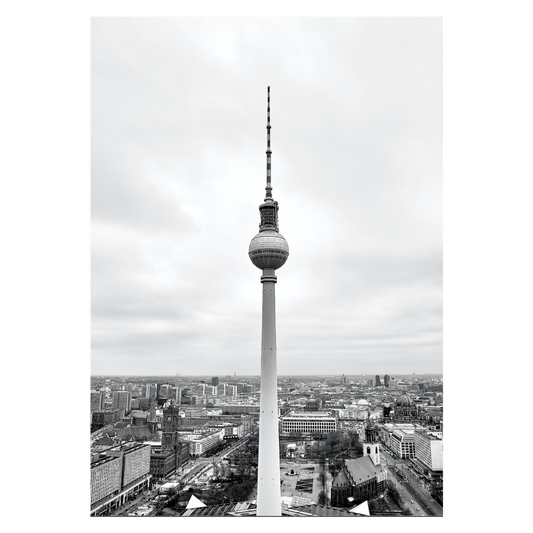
(268, 489)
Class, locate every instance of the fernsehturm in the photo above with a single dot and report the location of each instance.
(268, 251)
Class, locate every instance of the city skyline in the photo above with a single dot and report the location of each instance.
(226, 375)
(177, 165)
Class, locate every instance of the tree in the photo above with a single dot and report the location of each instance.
(322, 478)
(323, 498)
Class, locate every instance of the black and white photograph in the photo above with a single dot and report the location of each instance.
(220, 146)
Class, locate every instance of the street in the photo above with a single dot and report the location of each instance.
(409, 488)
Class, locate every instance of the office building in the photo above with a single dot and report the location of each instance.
(97, 400)
(307, 423)
(165, 390)
(201, 442)
(178, 395)
(122, 400)
(428, 449)
(123, 471)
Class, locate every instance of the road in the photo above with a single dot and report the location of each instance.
(409, 488)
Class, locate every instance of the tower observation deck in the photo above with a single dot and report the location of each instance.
(268, 251)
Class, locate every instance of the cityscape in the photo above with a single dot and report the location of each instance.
(187, 445)
(171, 291)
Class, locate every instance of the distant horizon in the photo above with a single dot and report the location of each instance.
(279, 375)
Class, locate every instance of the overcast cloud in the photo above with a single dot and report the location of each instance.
(178, 172)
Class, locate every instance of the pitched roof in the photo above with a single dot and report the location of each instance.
(340, 479)
(362, 469)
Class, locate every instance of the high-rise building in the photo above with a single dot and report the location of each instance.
(164, 391)
(150, 390)
(378, 381)
(122, 400)
(215, 381)
(97, 400)
(268, 251)
(178, 395)
(386, 379)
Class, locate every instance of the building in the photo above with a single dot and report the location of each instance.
(268, 251)
(402, 444)
(378, 381)
(198, 400)
(170, 440)
(406, 408)
(215, 381)
(151, 391)
(97, 400)
(308, 423)
(144, 403)
(99, 419)
(386, 379)
(428, 461)
(231, 390)
(122, 400)
(202, 441)
(394, 436)
(313, 404)
(359, 479)
(165, 391)
(165, 460)
(105, 478)
(428, 447)
(178, 395)
(123, 471)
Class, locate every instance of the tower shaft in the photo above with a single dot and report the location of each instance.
(268, 479)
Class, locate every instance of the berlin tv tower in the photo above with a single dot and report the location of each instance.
(268, 251)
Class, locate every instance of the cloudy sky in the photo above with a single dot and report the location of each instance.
(178, 138)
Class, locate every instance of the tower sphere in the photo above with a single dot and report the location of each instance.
(268, 249)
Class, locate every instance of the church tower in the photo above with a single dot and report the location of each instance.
(372, 450)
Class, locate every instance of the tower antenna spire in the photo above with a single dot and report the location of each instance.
(268, 187)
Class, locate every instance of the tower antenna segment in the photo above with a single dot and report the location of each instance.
(268, 153)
